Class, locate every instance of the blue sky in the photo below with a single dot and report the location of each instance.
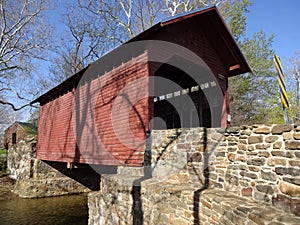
(280, 18)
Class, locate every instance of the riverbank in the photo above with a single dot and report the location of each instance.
(6, 185)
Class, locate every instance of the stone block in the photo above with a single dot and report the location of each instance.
(268, 189)
(231, 179)
(242, 147)
(297, 136)
(295, 163)
(265, 154)
(282, 153)
(287, 204)
(262, 146)
(254, 168)
(262, 130)
(271, 139)
(220, 154)
(279, 129)
(255, 139)
(251, 175)
(256, 161)
(194, 157)
(262, 197)
(180, 221)
(231, 157)
(292, 180)
(277, 145)
(287, 171)
(246, 132)
(287, 136)
(269, 176)
(287, 219)
(259, 219)
(289, 189)
(232, 130)
(242, 158)
(247, 191)
(276, 161)
(184, 146)
(292, 145)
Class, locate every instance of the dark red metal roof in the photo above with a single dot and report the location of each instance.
(209, 19)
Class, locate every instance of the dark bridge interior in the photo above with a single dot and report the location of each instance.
(182, 103)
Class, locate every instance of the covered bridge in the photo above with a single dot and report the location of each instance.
(177, 71)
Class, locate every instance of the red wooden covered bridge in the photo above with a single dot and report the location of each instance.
(176, 70)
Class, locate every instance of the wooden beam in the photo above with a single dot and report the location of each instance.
(235, 67)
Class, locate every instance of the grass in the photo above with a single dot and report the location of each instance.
(3, 152)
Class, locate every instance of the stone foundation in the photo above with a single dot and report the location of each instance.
(165, 204)
(246, 175)
(36, 178)
(17, 157)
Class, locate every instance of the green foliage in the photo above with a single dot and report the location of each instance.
(3, 152)
(254, 96)
(234, 13)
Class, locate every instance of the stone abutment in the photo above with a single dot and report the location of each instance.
(244, 175)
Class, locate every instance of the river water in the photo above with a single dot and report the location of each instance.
(64, 210)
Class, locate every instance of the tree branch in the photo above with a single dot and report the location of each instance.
(16, 108)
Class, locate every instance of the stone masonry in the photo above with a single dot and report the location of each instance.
(245, 175)
(36, 178)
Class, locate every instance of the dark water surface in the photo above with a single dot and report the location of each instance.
(65, 210)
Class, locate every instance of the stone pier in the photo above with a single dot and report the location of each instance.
(37, 178)
(244, 175)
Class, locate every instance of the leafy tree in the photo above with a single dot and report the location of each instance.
(254, 96)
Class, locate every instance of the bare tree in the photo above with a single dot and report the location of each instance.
(125, 18)
(96, 26)
(178, 6)
(295, 75)
(24, 37)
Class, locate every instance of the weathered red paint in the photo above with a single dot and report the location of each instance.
(203, 33)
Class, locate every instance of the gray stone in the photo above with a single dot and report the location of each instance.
(271, 139)
(255, 139)
(251, 175)
(287, 171)
(279, 129)
(287, 219)
(261, 197)
(269, 176)
(232, 130)
(292, 180)
(293, 145)
(256, 161)
(268, 189)
(282, 153)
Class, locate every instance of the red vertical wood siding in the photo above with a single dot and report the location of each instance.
(114, 109)
(57, 126)
(56, 138)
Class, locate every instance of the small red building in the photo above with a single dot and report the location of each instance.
(177, 71)
(19, 131)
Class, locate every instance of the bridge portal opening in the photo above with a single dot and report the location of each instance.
(179, 101)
